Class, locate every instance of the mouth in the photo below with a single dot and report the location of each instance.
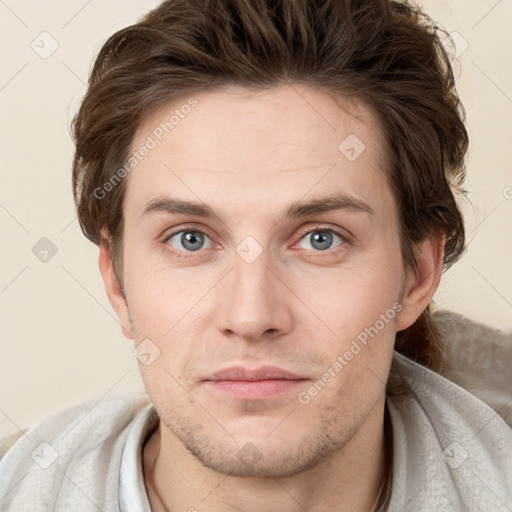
(243, 383)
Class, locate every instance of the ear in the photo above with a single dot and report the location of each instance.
(421, 285)
(113, 287)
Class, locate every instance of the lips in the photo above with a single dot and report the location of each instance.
(260, 384)
(239, 373)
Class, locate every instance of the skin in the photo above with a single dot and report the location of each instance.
(250, 154)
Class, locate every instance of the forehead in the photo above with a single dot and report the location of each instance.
(283, 142)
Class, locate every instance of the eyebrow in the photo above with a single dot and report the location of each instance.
(339, 201)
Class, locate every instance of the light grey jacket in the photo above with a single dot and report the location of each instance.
(452, 439)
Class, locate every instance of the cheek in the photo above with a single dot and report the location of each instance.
(158, 296)
(162, 382)
(349, 299)
(359, 310)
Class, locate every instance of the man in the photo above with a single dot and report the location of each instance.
(268, 184)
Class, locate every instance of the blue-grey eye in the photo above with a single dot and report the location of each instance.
(189, 240)
(321, 240)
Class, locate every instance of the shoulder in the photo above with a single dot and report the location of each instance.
(453, 442)
(478, 358)
(83, 442)
(97, 417)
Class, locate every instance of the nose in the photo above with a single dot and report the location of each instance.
(255, 302)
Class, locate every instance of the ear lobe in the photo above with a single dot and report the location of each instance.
(422, 284)
(113, 287)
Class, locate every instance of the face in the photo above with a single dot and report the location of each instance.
(250, 277)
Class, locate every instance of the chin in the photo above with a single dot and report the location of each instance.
(262, 457)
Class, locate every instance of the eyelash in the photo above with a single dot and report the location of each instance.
(190, 254)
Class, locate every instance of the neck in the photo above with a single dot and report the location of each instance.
(354, 478)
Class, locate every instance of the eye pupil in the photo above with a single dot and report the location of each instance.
(323, 238)
(189, 238)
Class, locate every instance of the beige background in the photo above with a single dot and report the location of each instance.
(60, 340)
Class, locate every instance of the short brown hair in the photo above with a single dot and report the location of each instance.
(387, 53)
